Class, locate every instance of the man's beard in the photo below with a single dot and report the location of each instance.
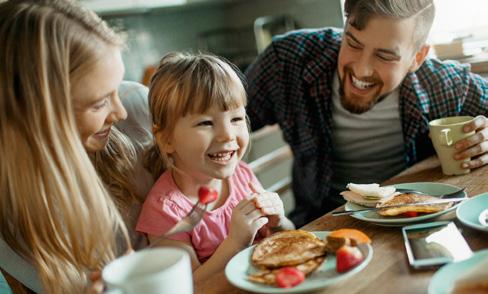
(354, 103)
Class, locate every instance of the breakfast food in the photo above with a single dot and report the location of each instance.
(347, 258)
(367, 194)
(298, 249)
(287, 248)
(473, 281)
(345, 237)
(286, 258)
(410, 198)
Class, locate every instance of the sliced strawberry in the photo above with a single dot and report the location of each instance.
(288, 277)
(410, 214)
(348, 257)
(207, 194)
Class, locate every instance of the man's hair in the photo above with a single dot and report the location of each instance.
(359, 12)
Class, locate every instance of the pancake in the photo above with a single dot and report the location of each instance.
(287, 248)
(268, 276)
(409, 198)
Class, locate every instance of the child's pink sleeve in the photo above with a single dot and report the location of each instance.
(158, 215)
(247, 172)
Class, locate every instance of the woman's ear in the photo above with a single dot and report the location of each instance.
(419, 58)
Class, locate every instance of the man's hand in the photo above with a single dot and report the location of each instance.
(475, 146)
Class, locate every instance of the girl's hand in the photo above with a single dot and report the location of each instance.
(270, 205)
(246, 220)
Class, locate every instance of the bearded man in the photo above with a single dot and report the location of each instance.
(354, 103)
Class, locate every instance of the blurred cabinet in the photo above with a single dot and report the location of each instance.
(109, 7)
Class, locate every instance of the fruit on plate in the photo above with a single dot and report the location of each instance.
(207, 195)
(347, 258)
(351, 237)
(287, 277)
(356, 235)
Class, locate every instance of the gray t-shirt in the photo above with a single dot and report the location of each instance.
(137, 127)
(368, 147)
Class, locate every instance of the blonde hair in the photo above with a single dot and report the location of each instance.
(187, 83)
(54, 209)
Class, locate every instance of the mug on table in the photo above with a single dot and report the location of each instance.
(150, 271)
(444, 133)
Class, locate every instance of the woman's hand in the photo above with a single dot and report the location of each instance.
(96, 286)
(246, 220)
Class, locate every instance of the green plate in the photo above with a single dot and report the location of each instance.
(443, 280)
(239, 266)
(430, 188)
(469, 211)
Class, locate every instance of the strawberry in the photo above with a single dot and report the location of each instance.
(410, 214)
(207, 195)
(348, 257)
(287, 277)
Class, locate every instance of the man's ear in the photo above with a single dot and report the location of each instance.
(419, 57)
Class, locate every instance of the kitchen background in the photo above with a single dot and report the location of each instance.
(224, 27)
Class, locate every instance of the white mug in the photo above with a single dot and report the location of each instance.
(164, 270)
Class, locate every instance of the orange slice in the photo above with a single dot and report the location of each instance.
(357, 235)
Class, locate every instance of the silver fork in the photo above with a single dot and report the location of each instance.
(185, 224)
(457, 194)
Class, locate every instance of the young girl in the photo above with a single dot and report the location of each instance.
(197, 104)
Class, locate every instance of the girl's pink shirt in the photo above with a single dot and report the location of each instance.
(165, 205)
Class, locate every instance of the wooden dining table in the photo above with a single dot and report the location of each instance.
(388, 271)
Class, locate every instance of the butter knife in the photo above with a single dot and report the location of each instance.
(399, 205)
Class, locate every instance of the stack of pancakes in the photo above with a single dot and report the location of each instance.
(297, 248)
(410, 198)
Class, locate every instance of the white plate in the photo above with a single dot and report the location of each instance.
(444, 279)
(238, 267)
(469, 211)
(429, 188)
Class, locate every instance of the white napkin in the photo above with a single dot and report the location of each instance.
(371, 191)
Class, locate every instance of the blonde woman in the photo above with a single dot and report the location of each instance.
(60, 70)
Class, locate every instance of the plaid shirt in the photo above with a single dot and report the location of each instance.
(291, 84)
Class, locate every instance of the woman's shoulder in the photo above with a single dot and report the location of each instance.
(137, 126)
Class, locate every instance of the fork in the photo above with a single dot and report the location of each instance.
(456, 194)
(185, 224)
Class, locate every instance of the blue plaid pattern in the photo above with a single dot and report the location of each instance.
(291, 84)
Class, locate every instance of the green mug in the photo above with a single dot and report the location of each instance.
(444, 133)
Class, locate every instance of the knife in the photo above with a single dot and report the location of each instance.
(399, 205)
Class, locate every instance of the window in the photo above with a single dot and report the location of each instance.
(458, 19)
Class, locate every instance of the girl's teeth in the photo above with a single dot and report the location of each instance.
(360, 84)
(221, 156)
